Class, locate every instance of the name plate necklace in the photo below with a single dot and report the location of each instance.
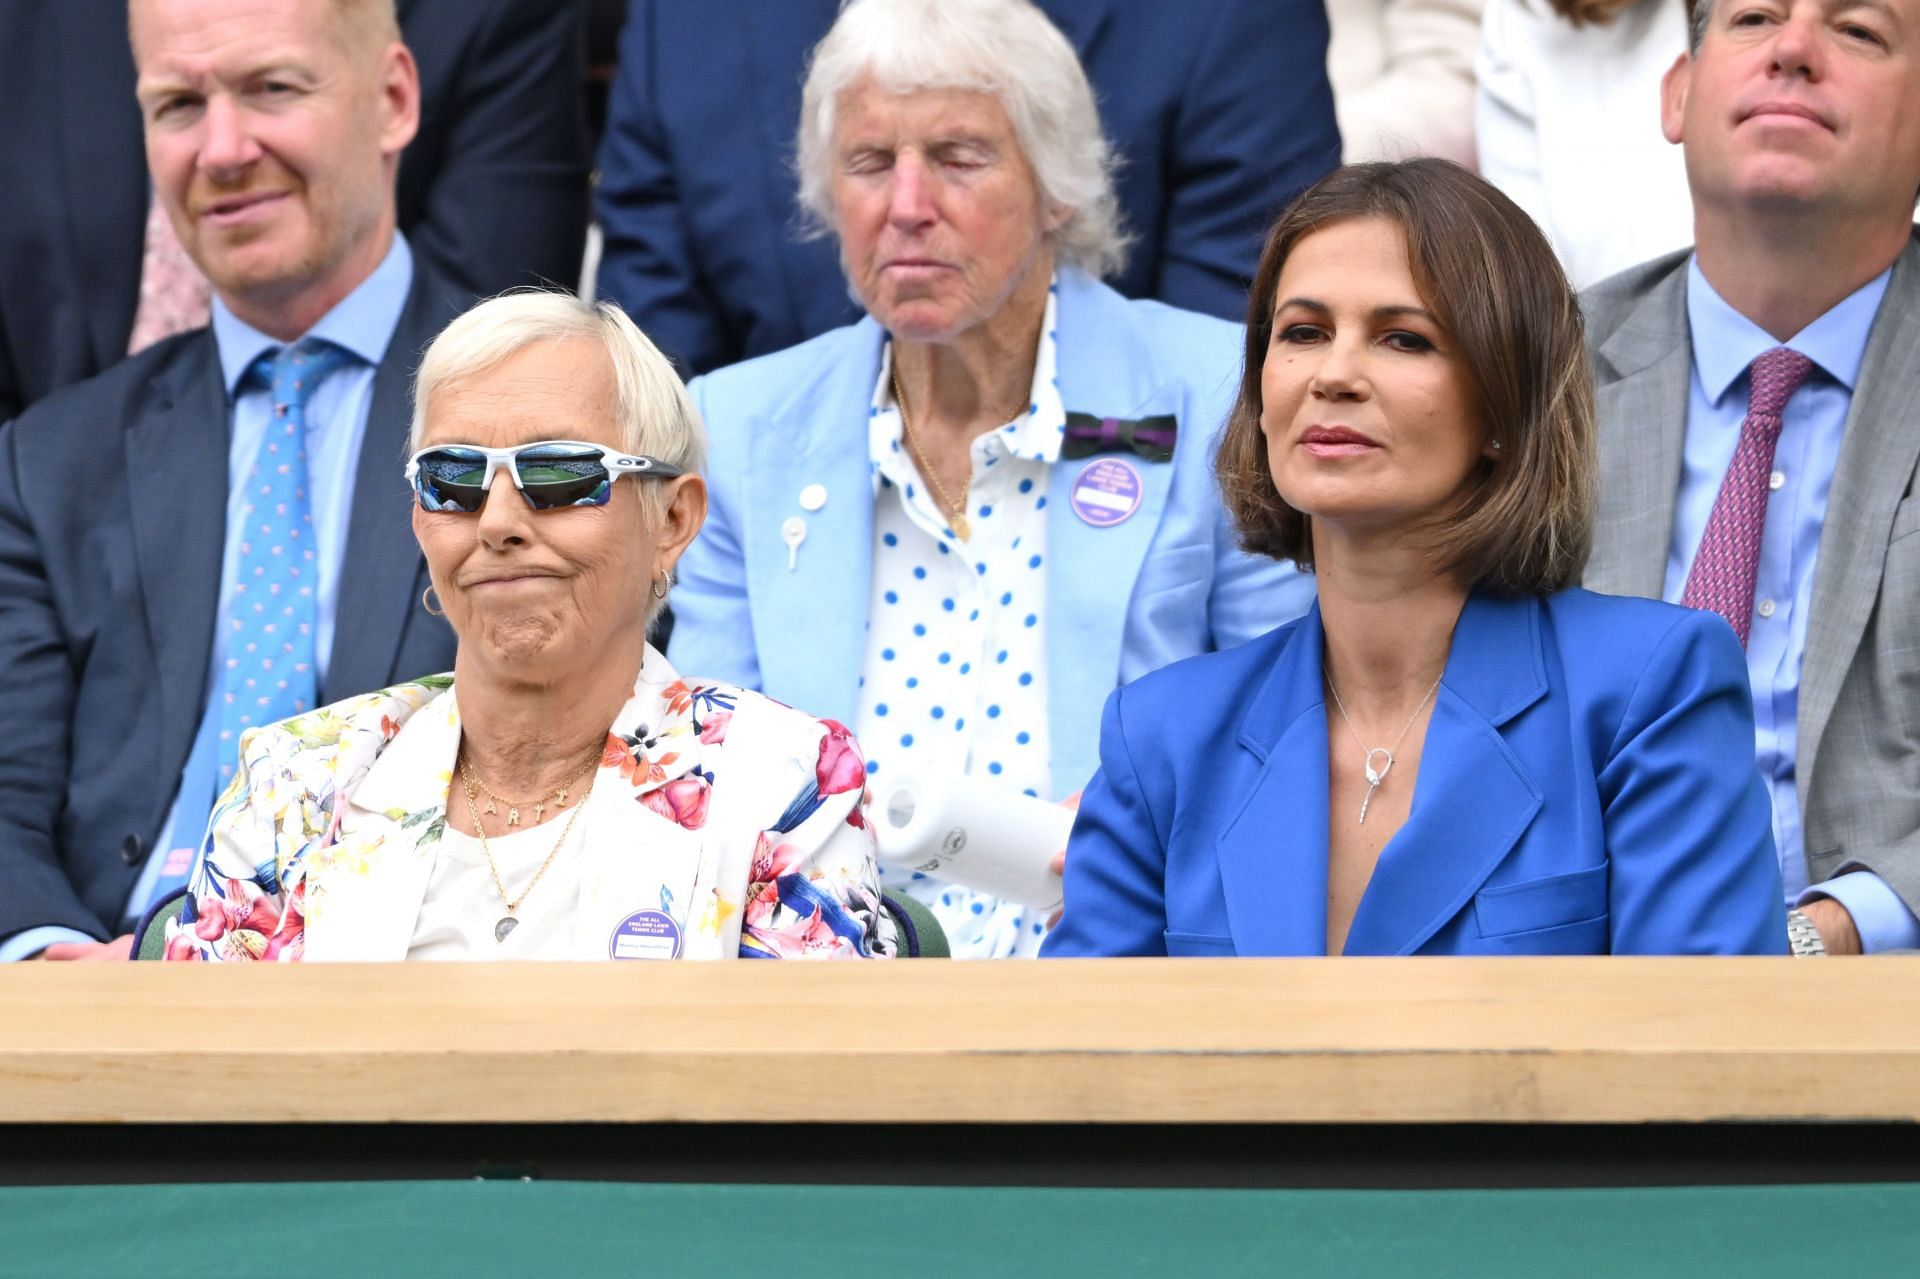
(558, 799)
(1377, 775)
(510, 920)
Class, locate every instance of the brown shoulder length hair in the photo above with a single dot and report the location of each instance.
(1492, 282)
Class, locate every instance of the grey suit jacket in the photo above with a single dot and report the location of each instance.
(1858, 772)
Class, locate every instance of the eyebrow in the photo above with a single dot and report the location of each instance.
(1397, 312)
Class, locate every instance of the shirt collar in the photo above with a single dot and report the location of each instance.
(1036, 433)
(1726, 342)
(362, 322)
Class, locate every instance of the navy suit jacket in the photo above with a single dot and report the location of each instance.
(1587, 787)
(1219, 108)
(113, 497)
(492, 193)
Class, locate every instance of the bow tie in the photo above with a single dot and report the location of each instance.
(1148, 437)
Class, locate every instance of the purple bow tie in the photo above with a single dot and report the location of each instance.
(1151, 438)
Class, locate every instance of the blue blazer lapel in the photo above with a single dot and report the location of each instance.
(176, 458)
(831, 581)
(1273, 854)
(1092, 571)
(1474, 799)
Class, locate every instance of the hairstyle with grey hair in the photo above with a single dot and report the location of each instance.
(1699, 14)
(1004, 47)
(656, 416)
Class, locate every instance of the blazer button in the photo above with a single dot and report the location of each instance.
(131, 849)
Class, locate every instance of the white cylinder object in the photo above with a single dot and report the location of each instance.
(975, 833)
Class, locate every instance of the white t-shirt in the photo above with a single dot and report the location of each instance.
(463, 905)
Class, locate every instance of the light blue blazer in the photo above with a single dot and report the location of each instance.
(1168, 583)
(1587, 787)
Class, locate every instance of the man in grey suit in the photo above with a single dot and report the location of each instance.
(214, 534)
(1759, 431)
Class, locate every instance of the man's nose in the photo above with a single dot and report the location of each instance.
(228, 144)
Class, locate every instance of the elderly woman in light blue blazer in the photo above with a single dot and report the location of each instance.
(1455, 751)
(960, 523)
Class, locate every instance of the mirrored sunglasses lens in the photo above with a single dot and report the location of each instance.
(451, 480)
(555, 477)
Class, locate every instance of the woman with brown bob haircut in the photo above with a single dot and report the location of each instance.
(1457, 750)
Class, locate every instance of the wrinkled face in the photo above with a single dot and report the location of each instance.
(1367, 411)
(272, 134)
(936, 207)
(1802, 103)
(539, 592)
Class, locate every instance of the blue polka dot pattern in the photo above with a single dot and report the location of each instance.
(939, 608)
(273, 611)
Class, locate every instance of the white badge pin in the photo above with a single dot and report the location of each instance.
(793, 532)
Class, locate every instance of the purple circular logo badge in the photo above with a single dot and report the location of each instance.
(645, 934)
(1106, 492)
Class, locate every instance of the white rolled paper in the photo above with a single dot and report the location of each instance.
(975, 833)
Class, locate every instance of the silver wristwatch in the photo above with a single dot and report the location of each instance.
(1803, 936)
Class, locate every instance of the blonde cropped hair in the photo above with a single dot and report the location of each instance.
(1006, 48)
(656, 416)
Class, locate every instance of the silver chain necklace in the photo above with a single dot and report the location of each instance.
(1376, 776)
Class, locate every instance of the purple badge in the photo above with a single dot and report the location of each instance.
(1106, 492)
(645, 934)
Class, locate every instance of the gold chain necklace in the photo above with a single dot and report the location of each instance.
(514, 806)
(957, 511)
(508, 922)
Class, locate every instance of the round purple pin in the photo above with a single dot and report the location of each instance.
(645, 934)
(1106, 492)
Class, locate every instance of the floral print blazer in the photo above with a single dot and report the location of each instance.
(721, 823)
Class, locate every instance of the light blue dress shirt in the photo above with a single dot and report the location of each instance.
(1725, 343)
(363, 322)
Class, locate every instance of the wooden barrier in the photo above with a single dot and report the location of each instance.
(1469, 1041)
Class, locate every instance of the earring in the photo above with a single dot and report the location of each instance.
(661, 585)
(428, 601)
(1496, 446)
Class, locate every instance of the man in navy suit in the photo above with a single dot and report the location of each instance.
(493, 191)
(274, 131)
(1219, 109)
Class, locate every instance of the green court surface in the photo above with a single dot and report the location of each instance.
(544, 1228)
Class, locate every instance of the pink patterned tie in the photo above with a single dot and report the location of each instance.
(1728, 561)
(173, 293)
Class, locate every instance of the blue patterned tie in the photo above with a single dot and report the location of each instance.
(271, 616)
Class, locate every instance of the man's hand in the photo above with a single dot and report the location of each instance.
(118, 950)
(1837, 932)
(1059, 863)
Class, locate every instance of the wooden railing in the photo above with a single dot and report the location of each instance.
(1125, 1041)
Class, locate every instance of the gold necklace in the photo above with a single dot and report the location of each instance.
(507, 922)
(515, 805)
(957, 511)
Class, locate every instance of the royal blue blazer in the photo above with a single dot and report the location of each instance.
(1588, 787)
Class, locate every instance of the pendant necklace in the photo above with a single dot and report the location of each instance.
(510, 920)
(1377, 775)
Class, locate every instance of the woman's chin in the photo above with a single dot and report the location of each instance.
(523, 639)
